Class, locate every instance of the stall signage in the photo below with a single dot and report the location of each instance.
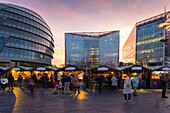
(70, 68)
(136, 68)
(166, 69)
(41, 69)
(16, 69)
(102, 69)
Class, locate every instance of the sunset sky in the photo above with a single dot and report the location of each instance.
(91, 16)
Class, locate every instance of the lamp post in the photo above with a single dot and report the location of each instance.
(164, 40)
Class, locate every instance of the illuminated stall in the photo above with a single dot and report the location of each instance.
(140, 70)
(102, 71)
(20, 70)
(70, 70)
(39, 71)
(156, 73)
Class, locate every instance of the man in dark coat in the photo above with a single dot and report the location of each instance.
(101, 79)
(164, 81)
(10, 80)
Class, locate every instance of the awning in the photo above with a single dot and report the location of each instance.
(4, 68)
(46, 68)
(22, 68)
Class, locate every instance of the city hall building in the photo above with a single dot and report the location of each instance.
(25, 37)
(92, 49)
(143, 46)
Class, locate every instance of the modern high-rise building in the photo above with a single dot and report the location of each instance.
(147, 36)
(91, 49)
(25, 38)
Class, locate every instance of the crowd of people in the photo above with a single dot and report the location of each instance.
(72, 83)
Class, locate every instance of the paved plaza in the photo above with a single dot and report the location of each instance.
(147, 101)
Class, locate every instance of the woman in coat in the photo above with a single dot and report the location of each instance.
(76, 83)
(127, 88)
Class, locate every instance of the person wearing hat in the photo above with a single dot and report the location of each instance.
(135, 83)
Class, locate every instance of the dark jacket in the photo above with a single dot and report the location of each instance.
(34, 77)
(20, 79)
(163, 83)
(85, 78)
(11, 78)
(101, 79)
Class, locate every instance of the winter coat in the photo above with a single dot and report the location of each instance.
(127, 86)
(11, 78)
(114, 81)
(76, 81)
(20, 79)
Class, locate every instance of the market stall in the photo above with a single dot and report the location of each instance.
(155, 74)
(141, 71)
(70, 70)
(21, 70)
(39, 71)
(102, 71)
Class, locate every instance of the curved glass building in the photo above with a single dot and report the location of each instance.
(25, 38)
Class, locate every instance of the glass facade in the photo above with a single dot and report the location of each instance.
(24, 36)
(92, 49)
(129, 48)
(148, 46)
(143, 45)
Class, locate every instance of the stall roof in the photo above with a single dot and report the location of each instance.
(22, 68)
(69, 68)
(46, 68)
(131, 67)
(4, 68)
(103, 69)
(159, 68)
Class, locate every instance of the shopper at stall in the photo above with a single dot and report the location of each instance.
(63, 80)
(85, 81)
(34, 77)
(127, 88)
(20, 81)
(101, 80)
(76, 83)
(71, 82)
(135, 83)
(164, 80)
(143, 81)
(52, 80)
(45, 78)
(67, 83)
(10, 80)
(109, 80)
(3, 82)
(114, 83)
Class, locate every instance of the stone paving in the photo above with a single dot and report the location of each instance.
(147, 101)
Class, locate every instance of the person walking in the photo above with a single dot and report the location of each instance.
(76, 84)
(101, 80)
(127, 88)
(31, 86)
(63, 80)
(114, 83)
(45, 78)
(10, 80)
(135, 83)
(164, 80)
(67, 83)
(20, 81)
(26, 84)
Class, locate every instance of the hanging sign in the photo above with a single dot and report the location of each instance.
(70, 68)
(41, 69)
(136, 68)
(166, 69)
(102, 69)
(16, 69)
